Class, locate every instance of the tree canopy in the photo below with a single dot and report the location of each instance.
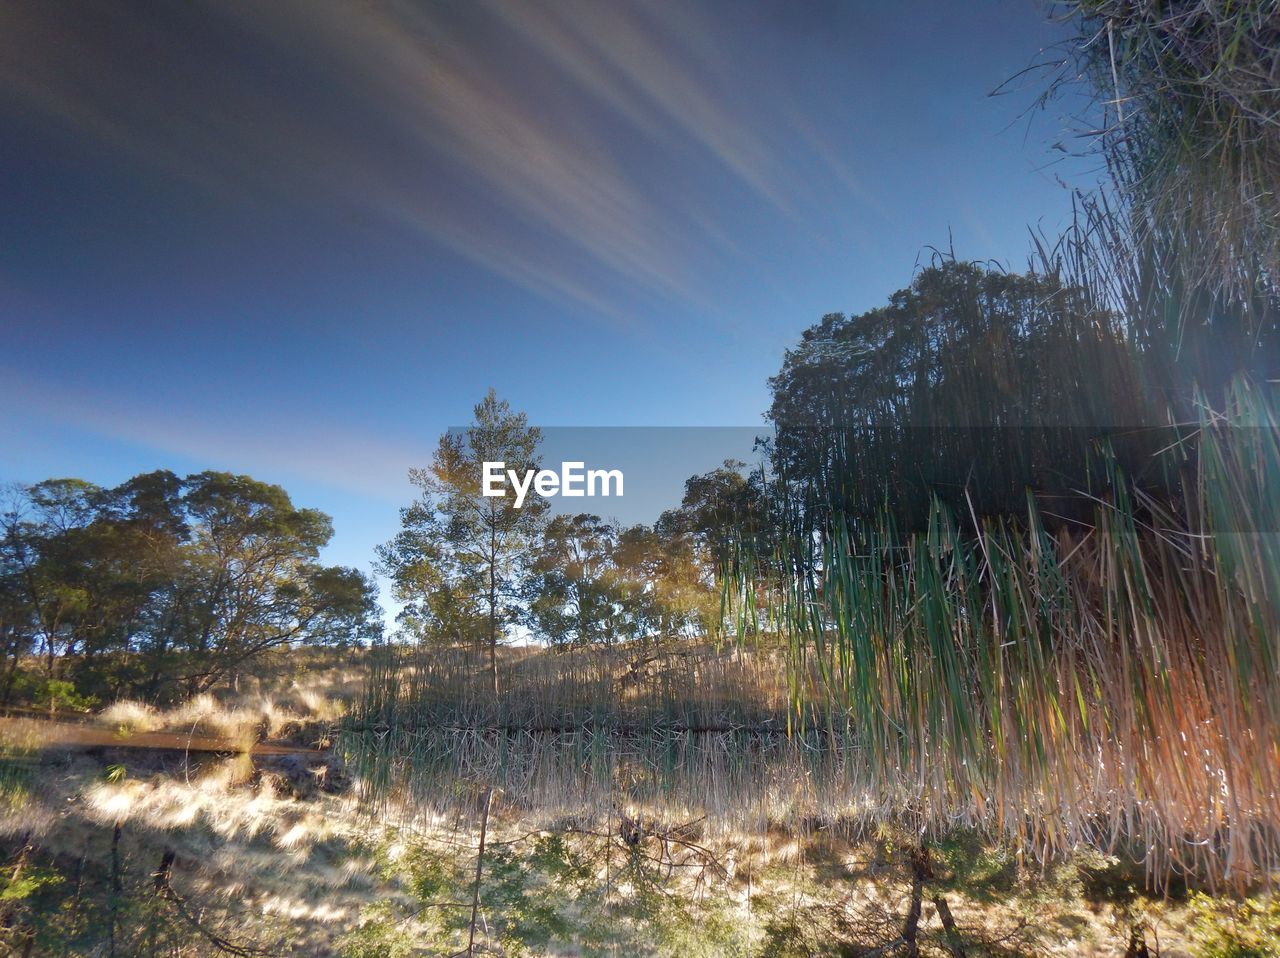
(971, 384)
(165, 584)
(460, 560)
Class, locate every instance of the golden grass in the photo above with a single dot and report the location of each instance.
(263, 865)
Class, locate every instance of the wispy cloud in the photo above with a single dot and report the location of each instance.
(297, 448)
(505, 132)
(655, 63)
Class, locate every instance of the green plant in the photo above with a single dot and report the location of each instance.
(53, 694)
(1235, 929)
(971, 667)
(982, 870)
(379, 935)
(30, 881)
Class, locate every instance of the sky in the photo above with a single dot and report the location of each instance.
(301, 239)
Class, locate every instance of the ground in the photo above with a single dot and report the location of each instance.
(229, 825)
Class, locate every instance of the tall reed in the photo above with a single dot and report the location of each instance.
(1186, 98)
(695, 733)
(1115, 683)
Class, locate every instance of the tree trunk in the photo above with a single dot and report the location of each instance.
(10, 673)
(1137, 945)
(475, 890)
(493, 601)
(911, 927)
(954, 942)
(117, 887)
(164, 872)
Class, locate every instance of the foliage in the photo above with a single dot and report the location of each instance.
(965, 862)
(26, 884)
(52, 694)
(574, 590)
(162, 583)
(459, 561)
(379, 934)
(1249, 928)
(719, 507)
(594, 585)
(971, 386)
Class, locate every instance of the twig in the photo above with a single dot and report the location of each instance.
(475, 891)
(164, 888)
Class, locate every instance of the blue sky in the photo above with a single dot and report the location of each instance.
(301, 239)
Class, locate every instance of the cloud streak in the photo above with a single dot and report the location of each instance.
(550, 143)
(343, 459)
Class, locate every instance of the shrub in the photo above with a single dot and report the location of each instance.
(1231, 929)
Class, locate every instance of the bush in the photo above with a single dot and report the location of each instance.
(379, 935)
(51, 694)
(1229, 929)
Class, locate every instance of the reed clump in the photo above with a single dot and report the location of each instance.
(1190, 109)
(685, 733)
(1184, 110)
(1112, 684)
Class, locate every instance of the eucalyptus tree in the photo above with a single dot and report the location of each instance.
(79, 563)
(253, 582)
(574, 598)
(165, 584)
(40, 572)
(459, 549)
(971, 384)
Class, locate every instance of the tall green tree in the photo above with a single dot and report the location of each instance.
(458, 544)
(165, 584)
(972, 385)
(573, 591)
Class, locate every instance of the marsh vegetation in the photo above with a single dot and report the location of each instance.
(978, 658)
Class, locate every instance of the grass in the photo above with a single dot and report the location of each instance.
(693, 732)
(322, 872)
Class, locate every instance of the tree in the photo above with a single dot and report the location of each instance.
(573, 594)
(719, 508)
(665, 592)
(252, 582)
(972, 385)
(459, 549)
(441, 593)
(166, 583)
